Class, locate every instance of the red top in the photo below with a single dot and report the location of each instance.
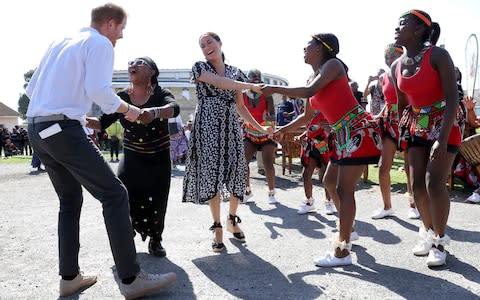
(388, 90)
(257, 112)
(334, 100)
(424, 87)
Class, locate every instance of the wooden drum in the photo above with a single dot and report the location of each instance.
(470, 149)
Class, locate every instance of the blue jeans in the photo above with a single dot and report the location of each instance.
(72, 161)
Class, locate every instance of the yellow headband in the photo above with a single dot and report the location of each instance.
(329, 48)
(421, 17)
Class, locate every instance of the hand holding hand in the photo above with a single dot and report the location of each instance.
(132, 113)
(278, 135)
(257, 88)
(146, 116)
(266, 90)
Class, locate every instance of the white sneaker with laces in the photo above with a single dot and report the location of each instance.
(271, 197)
(330, 208)
(474, 198)
(329, 260)
(436, 257)
(81, 282)
(306, 207)
(425, 243)
(413, 213)
(146, 284)
(382, 213)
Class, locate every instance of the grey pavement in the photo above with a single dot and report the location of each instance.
(275, 263)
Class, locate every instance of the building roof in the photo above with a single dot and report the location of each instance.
(6, 111)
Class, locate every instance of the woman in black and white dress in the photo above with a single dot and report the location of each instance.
(216, 162)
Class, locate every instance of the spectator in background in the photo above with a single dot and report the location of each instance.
(115, 133)
(356, 93)
(178, 141)
(188, 130)
(374, 90)
(285, 111)
(26, 142)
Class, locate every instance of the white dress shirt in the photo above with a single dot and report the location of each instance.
(74, 72)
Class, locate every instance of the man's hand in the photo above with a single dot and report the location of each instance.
(132, 113)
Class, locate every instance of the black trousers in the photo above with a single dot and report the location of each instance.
(72, 161)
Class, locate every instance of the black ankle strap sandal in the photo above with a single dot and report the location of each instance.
(216, 247)
(239, 236)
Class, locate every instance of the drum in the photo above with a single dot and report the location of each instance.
(470, 149)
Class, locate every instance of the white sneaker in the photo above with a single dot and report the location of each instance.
(329, 260)
(382, 213)
(271, 197)
(306, 207)
(330, 208)
(81, 282)
(146, 284)
(425, 243)
(436, 257)
(474, 198)
(413, 213)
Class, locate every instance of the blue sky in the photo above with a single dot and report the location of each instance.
(268, 35)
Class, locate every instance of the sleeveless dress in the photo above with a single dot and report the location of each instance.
(216, 157)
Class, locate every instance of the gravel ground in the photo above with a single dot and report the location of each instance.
(275, 263)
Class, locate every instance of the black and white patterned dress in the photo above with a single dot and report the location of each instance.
(216, 158)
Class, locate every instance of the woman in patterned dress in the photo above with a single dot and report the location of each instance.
(216, 162)
(146, 150)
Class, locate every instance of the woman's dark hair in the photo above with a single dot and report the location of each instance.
(432, 32)
(215, 37)
(152, 65)
(330, 43)
(107, 12)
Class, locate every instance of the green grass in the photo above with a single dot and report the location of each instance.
(17, 159)
(20, 159)
(397, 174)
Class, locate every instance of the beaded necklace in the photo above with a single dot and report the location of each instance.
(408, 61)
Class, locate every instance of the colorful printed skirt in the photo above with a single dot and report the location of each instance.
(255, 136)
(420, 126)
(316, 148)
(357, 139)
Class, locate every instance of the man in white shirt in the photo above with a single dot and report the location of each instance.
(74, 72)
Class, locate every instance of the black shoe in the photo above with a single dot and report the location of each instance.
(217, 247)
(155, 248)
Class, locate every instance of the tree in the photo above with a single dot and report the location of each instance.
(23, 101)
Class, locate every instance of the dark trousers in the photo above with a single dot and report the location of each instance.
(114, 148)
(72, 161)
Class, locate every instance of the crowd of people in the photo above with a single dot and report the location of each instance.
(14, 142)
(235, 120)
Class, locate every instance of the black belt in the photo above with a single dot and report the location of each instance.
(51, 118)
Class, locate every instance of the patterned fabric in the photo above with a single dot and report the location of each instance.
(216, 157)
(357, 139)
(316, 144)
(389, 122)
(377, 99)
(425, 123)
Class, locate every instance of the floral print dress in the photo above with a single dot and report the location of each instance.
(215, 159)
